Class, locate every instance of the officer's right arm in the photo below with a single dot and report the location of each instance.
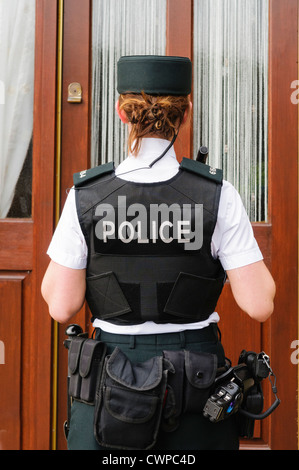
(253, 289)
(64, 291)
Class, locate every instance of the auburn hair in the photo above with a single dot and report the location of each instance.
(152, 115)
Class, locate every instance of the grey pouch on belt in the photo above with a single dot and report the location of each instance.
(90, 368)
(73, 364)
(129, 402)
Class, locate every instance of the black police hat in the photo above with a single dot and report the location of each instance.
(155, 75)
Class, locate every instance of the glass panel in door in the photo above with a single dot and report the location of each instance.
(231, 94)
(17, 39)
(120, 27)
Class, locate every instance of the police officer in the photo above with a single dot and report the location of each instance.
(149, 246)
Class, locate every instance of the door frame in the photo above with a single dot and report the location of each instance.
(283, 208)
(26, 323)
(37, 364)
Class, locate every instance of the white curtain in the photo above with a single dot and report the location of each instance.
(120, 27)
(230, 94)
(17, 31)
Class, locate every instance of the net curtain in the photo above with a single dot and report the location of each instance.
(17, 34)
(120, 27)
(230, 97)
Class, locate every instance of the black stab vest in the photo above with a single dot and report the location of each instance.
(149, 245)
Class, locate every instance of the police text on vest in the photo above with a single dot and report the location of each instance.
(142, 224)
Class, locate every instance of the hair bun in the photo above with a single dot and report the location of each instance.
(152, 115)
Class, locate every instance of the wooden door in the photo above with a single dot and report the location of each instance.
(277, 238)
(25, 326)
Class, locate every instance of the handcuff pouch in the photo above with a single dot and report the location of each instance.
(200, 371)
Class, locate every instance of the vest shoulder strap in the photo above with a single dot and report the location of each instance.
(193, 166)
(86, 176)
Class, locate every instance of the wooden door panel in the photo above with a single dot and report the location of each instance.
(179, 43)
(238, 332)
(16, 237)
(76, 116)
(11, 291)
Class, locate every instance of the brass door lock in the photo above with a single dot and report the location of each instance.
(74, 93)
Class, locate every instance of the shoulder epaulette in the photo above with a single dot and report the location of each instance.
(214, 174)
(85, 176)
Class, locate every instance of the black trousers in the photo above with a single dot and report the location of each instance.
(194, 432)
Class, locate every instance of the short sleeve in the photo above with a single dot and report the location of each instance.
(68, 246)
(233, 241)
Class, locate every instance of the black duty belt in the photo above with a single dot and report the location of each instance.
(209, 333)
(132, 401)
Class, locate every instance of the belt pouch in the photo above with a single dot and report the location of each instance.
(73, 366)
(129, 402)
(174, 392)
(90, 366)
(200, 370)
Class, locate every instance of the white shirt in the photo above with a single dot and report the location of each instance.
(233, 240)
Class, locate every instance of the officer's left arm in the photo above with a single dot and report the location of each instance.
(253, 289)
(64, 291)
